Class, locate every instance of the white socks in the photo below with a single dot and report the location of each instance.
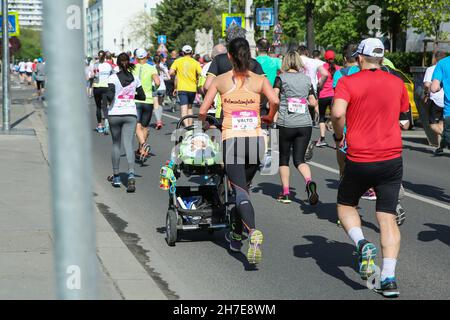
(388, 270)
(356, 235)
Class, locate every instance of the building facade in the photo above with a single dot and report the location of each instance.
(107, 24)
(30, 13)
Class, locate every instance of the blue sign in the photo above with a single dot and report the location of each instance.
(162, 39)
(13, 24)
(264, 17)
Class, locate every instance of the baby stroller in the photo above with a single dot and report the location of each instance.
(197, 184)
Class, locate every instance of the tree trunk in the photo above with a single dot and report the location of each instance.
(310, 39)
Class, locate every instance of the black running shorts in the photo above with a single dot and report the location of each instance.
(385, 177)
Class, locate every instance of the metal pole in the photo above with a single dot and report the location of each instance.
(5, 68)
(275, 11)
(229, 6)
(70, 151)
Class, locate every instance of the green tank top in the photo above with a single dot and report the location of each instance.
(145, 72)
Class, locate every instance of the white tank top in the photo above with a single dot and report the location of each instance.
(123, 104)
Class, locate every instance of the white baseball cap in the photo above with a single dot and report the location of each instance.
(187, 49)
(141, 53)
(368, 47)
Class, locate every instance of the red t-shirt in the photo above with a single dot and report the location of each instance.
(375, 101)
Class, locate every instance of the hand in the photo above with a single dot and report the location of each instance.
(267, 119)
(202, 116)
(175, 92)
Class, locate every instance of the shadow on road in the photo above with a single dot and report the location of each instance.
(332, 184)
(427, 191)
(440, 232)
(328, 211)
(16, 123)
(273, 190)
(330, 256)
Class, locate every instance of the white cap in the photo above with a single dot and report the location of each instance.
(368, 47)
(187, 49)
(141, 53)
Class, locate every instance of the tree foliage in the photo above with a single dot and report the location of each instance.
(178, 20)
(425, 16)
(31, 44)
(141, 29)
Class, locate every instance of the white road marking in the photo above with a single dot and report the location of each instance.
(407, 194)
(329, 169)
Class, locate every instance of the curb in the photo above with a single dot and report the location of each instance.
(130, 279)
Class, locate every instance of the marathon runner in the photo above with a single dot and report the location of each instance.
(294, 123)
(187, 71)
(370, 103)
(22, 71)
(29, 71)
(441, 80)
(102, 70)
(160, 92)
(241, 91)
(326, 94)
(435, 103)
(40, 78)
(123, 89)
(271, 66)
(147, 75)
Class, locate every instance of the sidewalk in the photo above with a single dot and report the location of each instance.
(26, 235)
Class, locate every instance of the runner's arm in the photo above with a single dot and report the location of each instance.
(323, 77)
(338, 112)
(140, 94)
(437, 78)
(208, 101)
(156, 80)
(111, 92)
(274, 101)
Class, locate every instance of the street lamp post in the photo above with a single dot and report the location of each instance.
(5, 68)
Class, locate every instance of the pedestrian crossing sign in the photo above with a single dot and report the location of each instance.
(13, 24)
(230, 20)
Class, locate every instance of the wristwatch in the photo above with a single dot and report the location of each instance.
(336, 138)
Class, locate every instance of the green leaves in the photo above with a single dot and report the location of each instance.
(31, 44)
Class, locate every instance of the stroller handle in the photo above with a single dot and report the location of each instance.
(208, 117)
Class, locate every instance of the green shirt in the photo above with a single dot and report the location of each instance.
(145, 72)
(270, 66)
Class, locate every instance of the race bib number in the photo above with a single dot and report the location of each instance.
(297, 105)
(125, 100)
(245, 120)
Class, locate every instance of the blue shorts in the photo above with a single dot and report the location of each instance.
(186, 98)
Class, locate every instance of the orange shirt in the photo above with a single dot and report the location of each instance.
(241, 114)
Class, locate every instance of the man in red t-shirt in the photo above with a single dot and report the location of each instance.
(370, 103)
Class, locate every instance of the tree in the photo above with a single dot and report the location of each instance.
(339, 31)
(425, 16)
(178, 20)
(142, 29)
(31, 44)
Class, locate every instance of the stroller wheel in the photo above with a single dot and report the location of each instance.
(171, 227)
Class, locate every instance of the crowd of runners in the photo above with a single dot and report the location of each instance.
(32, 73)
(363, 103)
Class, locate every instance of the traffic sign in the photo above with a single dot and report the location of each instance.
(233, 19)
(264, 17)
(162, 39)
(13, 24)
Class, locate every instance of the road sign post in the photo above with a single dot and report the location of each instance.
(5, 68)
(12, 24)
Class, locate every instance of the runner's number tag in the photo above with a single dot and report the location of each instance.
(297, 105)
(126, 97)
(245, 120)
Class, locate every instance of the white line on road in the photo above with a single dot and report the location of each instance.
(407, 194)
(329, 169)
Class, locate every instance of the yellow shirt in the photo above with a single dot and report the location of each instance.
(188, 70)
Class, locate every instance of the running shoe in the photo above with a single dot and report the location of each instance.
(145, 153)
(159, 125)
(131, 183)
(106, 128)
(309, 151)
(311, 189)
(234, 240)
(254, 254)
(100, 129)
(321, 143)
(367, 253)
(115, 180)
(284, 198)
(388, 288)
(400, 214)
(369, 195)
(439, 151)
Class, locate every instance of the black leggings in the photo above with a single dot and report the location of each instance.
(101, 103)
(296, 139)
(324, 103)
(144, 112)
(242, 159)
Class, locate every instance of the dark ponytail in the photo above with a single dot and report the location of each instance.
(157, 61)
(239, 50)
(332, 68)
(124, 63)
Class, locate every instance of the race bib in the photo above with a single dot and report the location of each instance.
(125, 100)
(297, 105)
(245, 120)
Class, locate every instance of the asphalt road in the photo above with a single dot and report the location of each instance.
(305, 254)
